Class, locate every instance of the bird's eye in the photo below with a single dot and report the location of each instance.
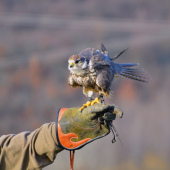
(77, 61)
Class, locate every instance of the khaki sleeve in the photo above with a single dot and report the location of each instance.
(29, 150)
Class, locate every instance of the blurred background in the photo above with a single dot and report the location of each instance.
(36, 40)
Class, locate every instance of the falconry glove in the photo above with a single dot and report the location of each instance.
(75, 129)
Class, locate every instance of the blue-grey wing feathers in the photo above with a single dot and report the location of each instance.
(87, 53)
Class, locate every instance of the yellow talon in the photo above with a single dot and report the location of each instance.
(81, 108)
(85, 105)
(89, 103)
(96, 100)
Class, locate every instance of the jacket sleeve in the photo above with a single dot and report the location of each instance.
(29, 150)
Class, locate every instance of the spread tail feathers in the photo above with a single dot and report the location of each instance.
(126, 70)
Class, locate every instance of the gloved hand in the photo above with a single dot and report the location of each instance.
(76, 128)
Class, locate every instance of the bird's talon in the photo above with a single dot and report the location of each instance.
(85, 105)
(102, 101)
(96, 100)
(81, 108)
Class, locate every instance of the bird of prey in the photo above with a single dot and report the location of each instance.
(94, 71)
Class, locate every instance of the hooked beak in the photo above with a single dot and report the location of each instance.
(72, 65)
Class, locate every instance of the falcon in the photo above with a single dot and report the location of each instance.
(94, 71)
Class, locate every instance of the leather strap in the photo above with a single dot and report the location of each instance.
(72, 153)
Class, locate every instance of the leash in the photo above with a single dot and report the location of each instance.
(115, 133)
(72, 153)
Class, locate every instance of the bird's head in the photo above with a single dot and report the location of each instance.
(77, 64)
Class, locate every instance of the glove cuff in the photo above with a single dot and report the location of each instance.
(70, 135)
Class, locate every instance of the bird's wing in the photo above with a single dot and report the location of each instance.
(104, 80)
(104, 51)
(126, 70)
(99, 60)
(87, 53)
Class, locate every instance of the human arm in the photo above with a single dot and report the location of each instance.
(29, 150)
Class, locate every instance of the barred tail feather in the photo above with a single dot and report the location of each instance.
(129, 64)
(132, 73)
(134, 77)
